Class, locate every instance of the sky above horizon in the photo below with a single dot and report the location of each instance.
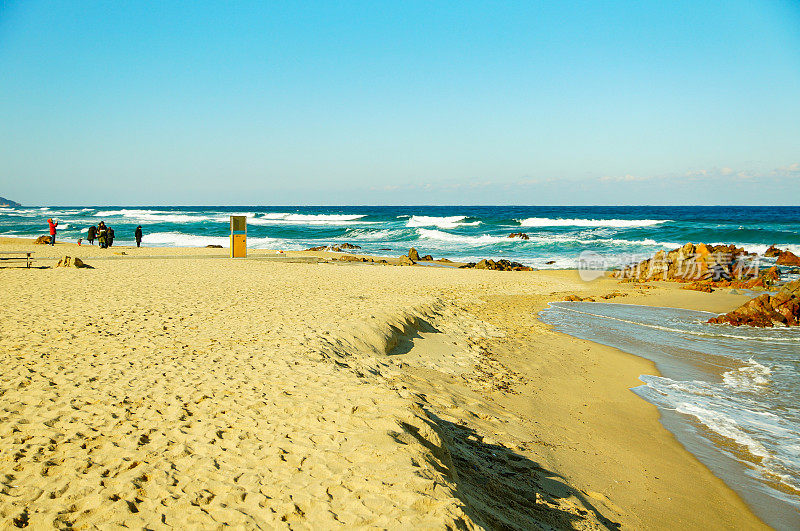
(277, 103)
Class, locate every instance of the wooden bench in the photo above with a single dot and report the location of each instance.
(17, 256)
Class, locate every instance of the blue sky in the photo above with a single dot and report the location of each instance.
(402, 102)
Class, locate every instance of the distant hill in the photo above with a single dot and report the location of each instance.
(8, 203)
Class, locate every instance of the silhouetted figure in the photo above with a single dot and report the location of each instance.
(110, 237)
(92, 234)
(138, 235)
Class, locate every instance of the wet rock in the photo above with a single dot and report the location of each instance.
(772, 252)
(520, 235)
(788, 258)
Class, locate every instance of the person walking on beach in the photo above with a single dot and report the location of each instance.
(138, 235)
(110, 237)
(53, 224)
(92, 234)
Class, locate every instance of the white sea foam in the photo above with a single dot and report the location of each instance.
(284, 218)
(550, 222)
(154, 216)
(752, 377)
(433, 234)
(179, 239)
(724, 425)
(447, 222)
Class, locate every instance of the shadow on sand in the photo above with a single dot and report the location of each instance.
(501, 489)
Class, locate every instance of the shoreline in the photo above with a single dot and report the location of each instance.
(471, 388)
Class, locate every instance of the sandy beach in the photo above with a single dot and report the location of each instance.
(174, 387)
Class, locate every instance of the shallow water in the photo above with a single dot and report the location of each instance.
(464, 233)
(731, 395)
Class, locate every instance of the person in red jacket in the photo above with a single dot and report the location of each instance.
(53, 225)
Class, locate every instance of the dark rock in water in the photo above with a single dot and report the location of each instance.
(788, 258)
(550, 262)
(43, 240)
(772, 252)
(347, 246)
(413, 255)
(384, 249)
(214, 246)
(520, 235)
(782, 308)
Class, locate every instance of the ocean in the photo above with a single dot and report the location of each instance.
(557, 235)
(731, 395)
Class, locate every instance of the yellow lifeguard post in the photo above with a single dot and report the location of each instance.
(238, 236)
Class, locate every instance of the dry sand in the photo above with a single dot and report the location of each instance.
(164, 389)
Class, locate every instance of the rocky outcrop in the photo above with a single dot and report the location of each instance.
(520, 235)
(692, 263)
(499, 265)
(336, 248)
(699, 286)
(8, 203)
(213, 246)
(69, 261)
(406, 261)
(782, 308)
(788, 258)
(577, 298)
(42, 240)
(772, 252)
(413, 255)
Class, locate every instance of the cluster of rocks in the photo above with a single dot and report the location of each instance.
(42, 240)
(782, 308)
(352, 258)
(499, 265)
(692, 263)
(414, 256)
(337, 248)
(520, 235)
(577, 298)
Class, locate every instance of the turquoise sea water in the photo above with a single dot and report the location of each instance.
(469, 233)
(731, 395)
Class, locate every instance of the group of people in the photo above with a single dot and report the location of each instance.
(103, 234)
